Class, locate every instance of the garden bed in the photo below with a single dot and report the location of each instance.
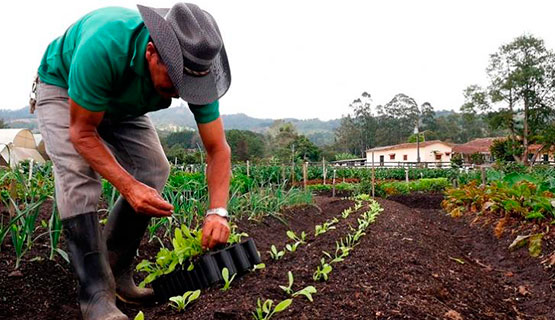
(413, 263)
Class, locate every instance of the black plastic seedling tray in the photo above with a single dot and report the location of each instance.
(238, 258)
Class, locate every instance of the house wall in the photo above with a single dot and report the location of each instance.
(427, 154)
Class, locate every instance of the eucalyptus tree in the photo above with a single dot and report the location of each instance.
(522, 82)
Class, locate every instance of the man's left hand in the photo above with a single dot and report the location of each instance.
(215, 231)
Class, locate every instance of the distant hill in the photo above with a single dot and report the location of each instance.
(176, 118)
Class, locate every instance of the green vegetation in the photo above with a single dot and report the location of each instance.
(264, 310)
(179, 303)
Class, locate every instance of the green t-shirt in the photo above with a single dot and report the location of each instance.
(101, 60)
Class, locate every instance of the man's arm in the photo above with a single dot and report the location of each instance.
(218, 157)
(85, 139)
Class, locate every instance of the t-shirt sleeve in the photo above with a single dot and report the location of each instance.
(91, 76)
(205, 113)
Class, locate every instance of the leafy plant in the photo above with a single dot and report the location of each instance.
(307, 292)
(264, 310)
(181, 302)
(322, 271)
(227, 279)
(293, 236)
(325, 227)
(288, 289)
(275, 254)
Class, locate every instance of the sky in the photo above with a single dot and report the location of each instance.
(311, 59)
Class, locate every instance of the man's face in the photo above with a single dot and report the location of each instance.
(159, 73)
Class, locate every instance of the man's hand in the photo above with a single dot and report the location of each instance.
(146, 200)
(215, 231)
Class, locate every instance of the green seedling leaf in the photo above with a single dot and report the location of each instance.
(259, 266)
(139, 316)
(457, 260)
(283, 305)
(307, 292)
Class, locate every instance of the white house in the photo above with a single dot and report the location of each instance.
(430, 151)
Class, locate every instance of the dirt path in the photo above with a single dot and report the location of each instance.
(413, 263)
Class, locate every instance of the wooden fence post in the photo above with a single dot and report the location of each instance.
(305, 173)
(483, 173)
(373, 176)
(248, 169)
(333, 184)
(324, 170)
(407, 175)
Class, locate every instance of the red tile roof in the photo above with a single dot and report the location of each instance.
(409, 145)
(480, 145)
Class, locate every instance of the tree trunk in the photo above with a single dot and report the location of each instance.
(536, 154)
(525, 132)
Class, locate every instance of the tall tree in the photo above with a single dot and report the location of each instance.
(522, 79)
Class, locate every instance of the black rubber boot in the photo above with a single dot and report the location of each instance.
(88, 255)
(123, 234)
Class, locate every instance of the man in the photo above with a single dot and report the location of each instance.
(95, 84)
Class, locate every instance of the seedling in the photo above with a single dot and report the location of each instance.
(322, 271)
(292, 247)
(181, 302)
(227, 280)
(328, 225)
(264, 310)
(293, 236)
(259, 266)
(345, 214)
(275, 254)
(307, 292)
(234, 236)
(288, 289)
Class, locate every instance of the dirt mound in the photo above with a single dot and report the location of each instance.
(412, 264)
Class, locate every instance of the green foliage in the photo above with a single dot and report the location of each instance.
(325, 227)
(345, 156)
(264, 310)
(506, 149)
(322, 271)
(288, 289)
(181, 302)
(246, 145)
(421, 185)
(139, 316)
(275, 254)
(227, 279)
(522, 196)
(477, 158)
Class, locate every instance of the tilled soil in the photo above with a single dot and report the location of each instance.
(413, 263)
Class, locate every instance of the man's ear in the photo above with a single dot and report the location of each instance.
(150, 51)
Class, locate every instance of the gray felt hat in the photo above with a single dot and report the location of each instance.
(191, 46)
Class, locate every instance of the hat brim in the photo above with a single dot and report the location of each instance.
(192, 89)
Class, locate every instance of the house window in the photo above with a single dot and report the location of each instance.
(447, 153)
(438, 156)
(405, 157)
(392, 156)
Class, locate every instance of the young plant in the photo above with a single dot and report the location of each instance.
(288, 289)
(264, 311)
(328, 225)
(234, 236)
(293, 236)
(275, 254)
(227, 280)
(292, 247)
(322, 271)
(307, 292)
(181, 302)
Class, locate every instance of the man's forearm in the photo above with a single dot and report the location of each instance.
(95, 152)
(218, 173)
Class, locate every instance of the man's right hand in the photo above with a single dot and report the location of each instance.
(147, 200)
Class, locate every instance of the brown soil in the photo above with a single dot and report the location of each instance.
(413, 263)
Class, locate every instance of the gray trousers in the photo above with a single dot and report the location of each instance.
(133, 141)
